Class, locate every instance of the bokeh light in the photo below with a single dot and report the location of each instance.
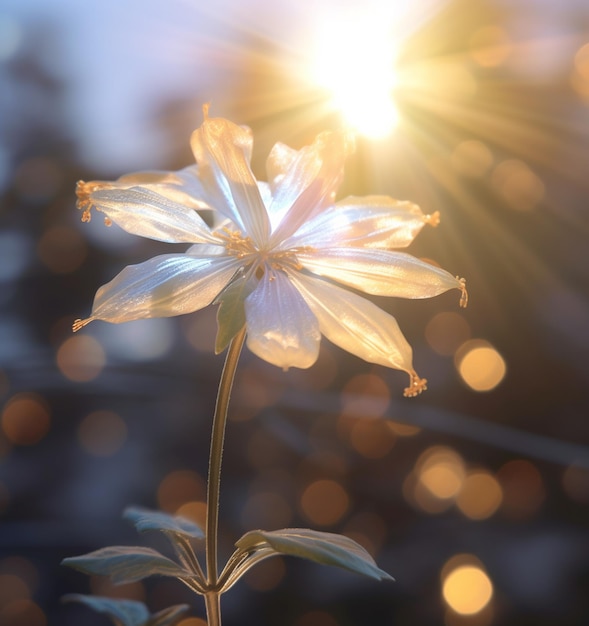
(480, 365)
(518, 185)
(195, 511)
(580, 73)
(472, 158)
(178, 488)
(324, 502)
(365, 395)
(25, 419)
(446, 331)
(466, 587)
(372, 438)
(23, 612)
(81, 358)
(441, 471)
(102, 433)
(480, 496)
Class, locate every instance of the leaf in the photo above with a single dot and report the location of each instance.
(125, 612)
(325, 548)
(231, 312)
(127, 564)
(145, 520)
(168, 616)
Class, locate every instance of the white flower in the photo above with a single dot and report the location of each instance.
(279, 255)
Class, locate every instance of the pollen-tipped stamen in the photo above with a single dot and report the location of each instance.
(464, 293)
(433, 219)
(416, 385)
(84, 202)
(78, 324)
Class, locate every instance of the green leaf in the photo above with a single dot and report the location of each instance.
(145, 520)
(123, 612)
(325, 548)
(127, 564)
(231, 312)
(168, 616)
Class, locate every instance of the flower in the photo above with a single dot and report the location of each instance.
(278, 257)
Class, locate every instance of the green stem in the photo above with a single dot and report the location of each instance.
(214, 480)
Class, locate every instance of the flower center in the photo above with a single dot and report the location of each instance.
(242, 247)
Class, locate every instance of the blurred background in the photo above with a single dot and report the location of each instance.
(475, 495)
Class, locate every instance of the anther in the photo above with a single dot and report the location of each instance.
(416, 385)
(464, 293)
(80, 324)
(433, 219)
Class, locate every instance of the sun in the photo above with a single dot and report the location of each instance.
(354, 59)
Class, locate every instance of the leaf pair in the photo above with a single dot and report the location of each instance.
(126, 564)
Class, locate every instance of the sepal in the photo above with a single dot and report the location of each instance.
(231, 311)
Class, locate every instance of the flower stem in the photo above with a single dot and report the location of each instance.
(213, 606)
(214, 479)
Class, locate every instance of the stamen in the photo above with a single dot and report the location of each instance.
(81, 323)
(433, 219)
(83, 191)
(416, 385)
(235, 243)
(464, 293)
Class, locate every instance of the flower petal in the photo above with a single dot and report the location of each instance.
(171, 284)
(359, 326)
(222, 150)
(367, 222)
(144, 212)
(183, 186)
(280, 159)
(309, 184)
(380, 272)
(281, 329)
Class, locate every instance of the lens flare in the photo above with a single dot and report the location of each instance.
(354, 61)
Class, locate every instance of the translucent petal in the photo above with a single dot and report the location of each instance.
(308, 186)
(222, 150)
(183, 186)
(171, 284)
(355, 324)
(368, 222)
(279, 160)
(281, 329)
(141, 211)
(380, 272)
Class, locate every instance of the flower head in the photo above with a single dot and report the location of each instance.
(278, 257)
